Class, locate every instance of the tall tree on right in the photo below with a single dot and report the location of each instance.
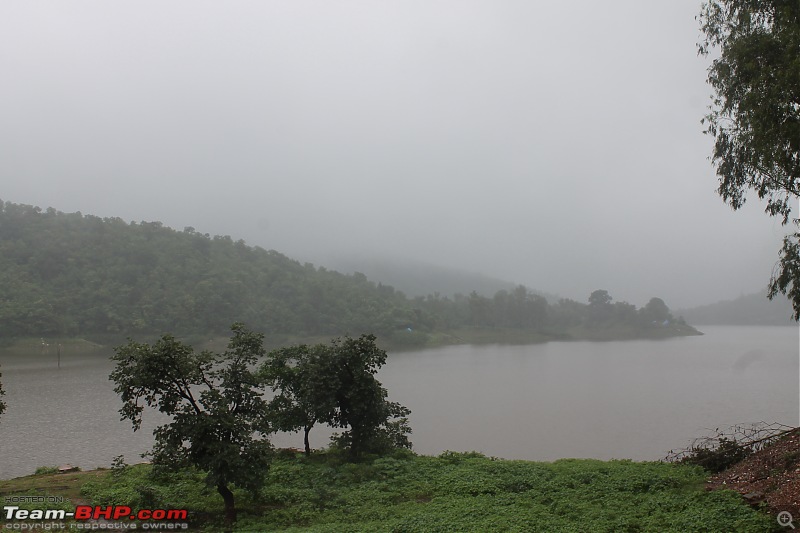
(755, 114)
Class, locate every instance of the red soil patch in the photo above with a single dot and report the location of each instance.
(770, 476)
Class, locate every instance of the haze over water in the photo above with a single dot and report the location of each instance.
(627, 399)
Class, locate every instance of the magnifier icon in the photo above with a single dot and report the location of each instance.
(785, 518)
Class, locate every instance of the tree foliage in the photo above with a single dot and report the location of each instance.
(221, 418)
(374, 424)
(599, 298)
(219, 422)
(755, 113)
(305, 383)
(335, 384)
(71, 274)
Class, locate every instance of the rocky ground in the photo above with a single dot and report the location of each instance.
(769, 477)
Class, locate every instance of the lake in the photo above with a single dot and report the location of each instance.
(622, 399)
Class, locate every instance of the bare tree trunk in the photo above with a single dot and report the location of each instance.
(227, 496)
(305, 440)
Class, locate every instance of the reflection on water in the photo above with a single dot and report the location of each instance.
(633, 399)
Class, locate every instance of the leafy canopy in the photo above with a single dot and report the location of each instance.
(218, 414)
(335, 384)
(375, 424)
(305, 383)
(755, 113)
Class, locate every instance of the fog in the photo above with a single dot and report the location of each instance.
(557, 145)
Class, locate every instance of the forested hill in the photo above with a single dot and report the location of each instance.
(70, 274)
(81, 275)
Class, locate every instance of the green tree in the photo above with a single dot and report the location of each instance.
(656, 311)
(755, 113)
(335, 384)
(218, 412)
(374, 423)
(599, 298)
(306, 384)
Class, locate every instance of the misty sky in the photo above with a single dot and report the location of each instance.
(555, 144)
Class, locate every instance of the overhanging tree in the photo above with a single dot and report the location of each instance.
(755, 114)
(218, 413)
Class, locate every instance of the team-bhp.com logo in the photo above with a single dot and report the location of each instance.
(112, 517)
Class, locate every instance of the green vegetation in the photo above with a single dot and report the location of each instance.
(725, 454)
(219, 423)
(221, 419)
(452, 492)
(335, 384)
(70, 275)
(48, 483)
(46, 470)
(755, 114)
(728, 447)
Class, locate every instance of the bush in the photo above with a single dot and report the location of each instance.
(727, 453)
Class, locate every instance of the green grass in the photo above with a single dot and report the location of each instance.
(66, 486)
(452, 492)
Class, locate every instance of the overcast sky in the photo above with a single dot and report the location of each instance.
(555, 144)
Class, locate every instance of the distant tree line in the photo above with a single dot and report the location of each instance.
(522, 309)
(81, 275)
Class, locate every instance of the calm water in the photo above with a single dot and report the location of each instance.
(631, 399)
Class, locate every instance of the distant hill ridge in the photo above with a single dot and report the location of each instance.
(750, 309)
(417, 278)
(80, 275)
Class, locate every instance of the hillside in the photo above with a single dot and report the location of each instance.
(68, 275)
(417, 278)
(747, 310)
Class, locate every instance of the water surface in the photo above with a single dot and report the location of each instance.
(627, 399)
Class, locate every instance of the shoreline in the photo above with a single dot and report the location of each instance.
(437, 339)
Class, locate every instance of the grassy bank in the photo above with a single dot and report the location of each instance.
(451, 492)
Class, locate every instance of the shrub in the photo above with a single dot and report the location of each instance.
(727, 453)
